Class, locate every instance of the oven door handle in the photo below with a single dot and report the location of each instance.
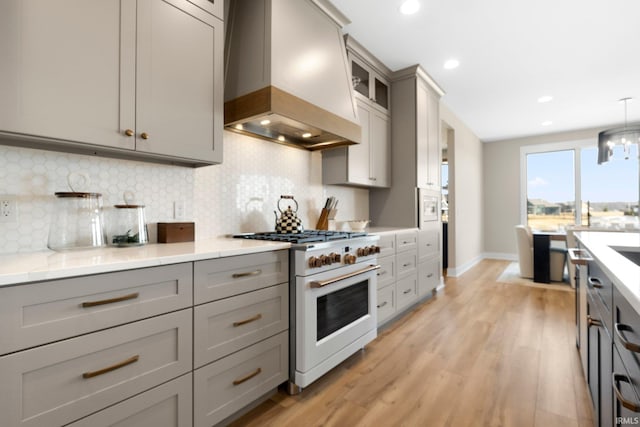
(323, 283)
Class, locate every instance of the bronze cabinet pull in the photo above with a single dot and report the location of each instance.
(407, 291)
(616, 378)
(110, 300)
(128, 132)
(593, 322)
(144, 135)
(249, 273)
(382, 305)
(323, 283)
(118, 365)
(247, 377)
(249, 320)
(619, 327)
(595, 282)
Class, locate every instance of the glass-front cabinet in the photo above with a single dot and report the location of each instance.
(368, 83)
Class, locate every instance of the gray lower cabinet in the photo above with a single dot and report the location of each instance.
(167, 405)
(120, 349)
(613, 350)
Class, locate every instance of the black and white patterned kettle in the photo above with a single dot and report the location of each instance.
(288, 223)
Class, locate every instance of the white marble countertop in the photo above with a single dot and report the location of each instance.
(624, 273)
(46, 265)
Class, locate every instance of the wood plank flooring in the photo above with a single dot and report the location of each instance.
(480, 353)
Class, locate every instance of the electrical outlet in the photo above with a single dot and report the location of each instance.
(179, 209)
(8, 209)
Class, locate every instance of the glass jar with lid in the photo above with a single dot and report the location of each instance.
(77, 221)
(127, 226)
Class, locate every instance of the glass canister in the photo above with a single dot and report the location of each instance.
(128, 226)
(77, 222)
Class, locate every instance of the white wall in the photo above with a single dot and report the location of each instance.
(465, 195)
(502, 188)
(237, 196)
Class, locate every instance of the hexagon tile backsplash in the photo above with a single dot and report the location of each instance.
(239, 195)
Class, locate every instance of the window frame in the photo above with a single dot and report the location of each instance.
(576, 146)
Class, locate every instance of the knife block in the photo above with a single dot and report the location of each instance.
(325, 216)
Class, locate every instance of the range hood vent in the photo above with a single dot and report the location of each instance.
(287, 75)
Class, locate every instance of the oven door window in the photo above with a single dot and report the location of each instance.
(341, 308)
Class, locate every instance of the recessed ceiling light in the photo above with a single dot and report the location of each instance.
(239, 126)
(306, 135)
(545, 98)
(281, 138)
(265, 122)
(547, 123)
(409, 7)
(450, 64)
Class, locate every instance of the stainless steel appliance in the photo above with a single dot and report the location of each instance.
(333, 288)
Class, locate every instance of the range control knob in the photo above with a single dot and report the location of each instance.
(361, 252)
(334, 256)
(374, 249)
(326, 260)
(315, 262)
(350, 259)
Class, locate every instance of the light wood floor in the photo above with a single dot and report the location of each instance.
(480, 353)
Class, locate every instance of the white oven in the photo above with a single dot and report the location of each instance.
(335, 316)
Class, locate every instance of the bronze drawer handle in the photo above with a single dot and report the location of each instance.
(626, 403)
(247, 377)
(407, 291)
(595, 282)
(382, 305)
(110, 300)
(247, 274)
(593, 322)
(118, 365)
(619, 327)
(249, 320)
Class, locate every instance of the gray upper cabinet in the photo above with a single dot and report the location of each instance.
(368, 163)
(113, 78)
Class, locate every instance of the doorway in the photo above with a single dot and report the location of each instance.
(448, 196)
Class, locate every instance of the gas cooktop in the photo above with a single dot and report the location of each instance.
(307, 236)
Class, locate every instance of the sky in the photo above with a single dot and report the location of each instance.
(550, 176)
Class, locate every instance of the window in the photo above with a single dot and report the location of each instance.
(555, 176)
(551, 201)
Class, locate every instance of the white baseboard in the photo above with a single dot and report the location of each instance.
(497, 255)
(459, 271)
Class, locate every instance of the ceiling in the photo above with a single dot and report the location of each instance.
(584, 53)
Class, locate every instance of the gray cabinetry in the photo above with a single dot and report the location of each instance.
(368, 163)
(113, 78)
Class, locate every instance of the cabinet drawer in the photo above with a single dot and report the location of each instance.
(223, 387)
(428, 276)
(387, 272)
(214, 7)
(406, 291)
(406, 263)
(406, 240)
(225, 326)
(601, 289)
(386, 304)
(428, 242)
(64, 381)
(626, 333)
(39, 313)
(387, 244)
(225, 277)
(168, 405)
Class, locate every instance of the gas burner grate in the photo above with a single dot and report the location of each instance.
(308, 236)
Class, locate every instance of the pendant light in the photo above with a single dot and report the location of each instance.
(625, 136)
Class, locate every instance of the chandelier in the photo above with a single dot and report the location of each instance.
(625, 136)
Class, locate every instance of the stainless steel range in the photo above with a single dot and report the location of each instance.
(333, 287)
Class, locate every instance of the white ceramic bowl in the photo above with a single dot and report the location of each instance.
(358, 225)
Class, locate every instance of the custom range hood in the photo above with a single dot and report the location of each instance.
(287, 76)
